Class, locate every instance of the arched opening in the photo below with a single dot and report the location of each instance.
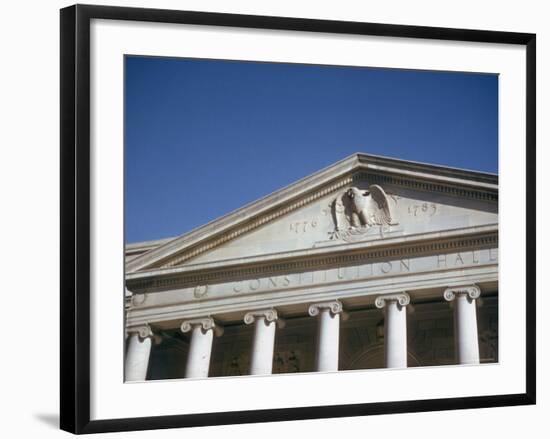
(373, 358)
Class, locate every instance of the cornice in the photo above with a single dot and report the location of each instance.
(143, 246)
(453, 188)
(326, 257)
(411, 175)
(260, 221)
(419, 169)
(259, 207)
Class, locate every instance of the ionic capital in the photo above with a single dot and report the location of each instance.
(334, 306)
(205, 323)
(143, 331)
(269, 315)
(472, 291)
(402, 299)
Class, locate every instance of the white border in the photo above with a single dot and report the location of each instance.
(111, 398)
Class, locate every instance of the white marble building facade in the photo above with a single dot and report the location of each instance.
(372, 262)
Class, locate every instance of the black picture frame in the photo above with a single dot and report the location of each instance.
(75, 217)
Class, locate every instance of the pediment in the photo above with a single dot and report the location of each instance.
(392, 198)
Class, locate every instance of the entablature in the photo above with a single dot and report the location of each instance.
(329, 257)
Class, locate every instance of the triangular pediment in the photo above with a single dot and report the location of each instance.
(394, 198)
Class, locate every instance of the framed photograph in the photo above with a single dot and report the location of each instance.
(286, 218)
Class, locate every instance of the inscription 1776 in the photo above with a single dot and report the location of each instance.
(303, 226)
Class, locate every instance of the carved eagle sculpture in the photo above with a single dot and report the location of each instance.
(359, 208)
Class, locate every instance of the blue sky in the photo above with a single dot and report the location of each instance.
(204, 137)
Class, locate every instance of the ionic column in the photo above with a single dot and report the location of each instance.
(138, 353)
(395, 328)
(465, 321)
(200, 349)
(328, 334)
(261, 362)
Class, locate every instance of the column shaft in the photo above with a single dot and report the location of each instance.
(395, 328)
(328, 338)
(465, 318)
(467, 345)
(262, 347)
(395, 338)
(198, 358)
(137, 358)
